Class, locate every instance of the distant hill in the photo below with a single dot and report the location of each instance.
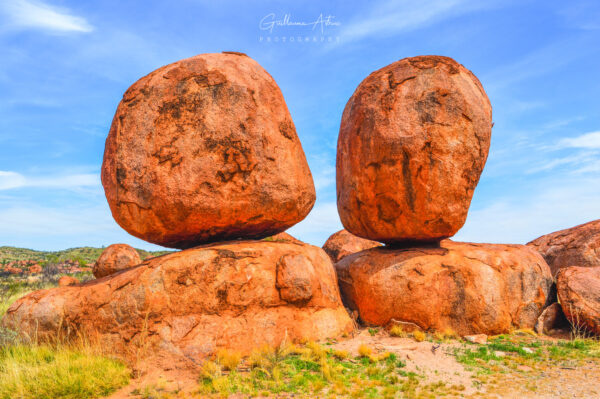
(87, 254)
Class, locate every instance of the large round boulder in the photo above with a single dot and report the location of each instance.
(577, 246)
(578, 290)
(237, 295)
(413, 141)
(343, 243)
(205, 150)
(114, 258)
(469, 288)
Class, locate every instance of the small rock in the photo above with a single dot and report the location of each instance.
(67, 280)
(499, 354)
(476, 339)
(115, 258)
(344, 243)
(528, 350)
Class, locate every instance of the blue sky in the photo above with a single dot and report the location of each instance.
(65, 65)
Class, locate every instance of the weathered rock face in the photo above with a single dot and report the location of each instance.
(115, 258)
(552, 318)
(284, 237)
(578, 291)
(343, 243)
(237, 295)
(413, 141)
(205, 150)
(470, 288)
(67, 280)
(577, 246)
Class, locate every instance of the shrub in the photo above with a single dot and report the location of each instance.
(397, 331)
(419, 335)
(230, 360)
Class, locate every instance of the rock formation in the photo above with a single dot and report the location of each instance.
(115, 258)
(65, 281)
(204, 150)
(237, 295)
(577, 246)
(551, 319)
(413, 141)
(343, 243)
(469, 288)
(578, 290)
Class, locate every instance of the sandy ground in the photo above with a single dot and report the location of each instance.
(433, 361)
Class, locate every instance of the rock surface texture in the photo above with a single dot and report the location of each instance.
(577, 246)
(413, 141)
(343, 243)
(115, 258)
(236, 295)
(205, 150)
(578, 290)
(469, 288)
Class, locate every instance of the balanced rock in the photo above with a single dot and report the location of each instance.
(578, 290)
(115, 258)
(413, 141)
(577, 246)
(236, 295)
(205, 150)
(469, 288)
(344, 243)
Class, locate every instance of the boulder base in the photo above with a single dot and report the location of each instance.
(344, 243)
(115, 258)
(469, 288)
(237, 295)
(577, 246)
(578, 290)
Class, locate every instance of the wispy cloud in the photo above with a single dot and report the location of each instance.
(588, 140)
(393, 16)
(30, 14)
(12, 180)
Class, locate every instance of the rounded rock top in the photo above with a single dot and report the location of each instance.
(205, 150)
(413, 141)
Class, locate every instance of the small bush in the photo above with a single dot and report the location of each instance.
(365, 351)
(230, 360)
(419, 336)
(397, 331)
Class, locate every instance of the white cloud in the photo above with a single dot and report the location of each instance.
(322, 222)
(393, 16)
(30, 14)
(12, 180)
(520, 217)
(588, 140)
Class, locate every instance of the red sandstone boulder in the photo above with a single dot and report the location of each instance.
(67, 280)
(205, 150)
(413, 141)
(115, 258)
(343, 243)
(578, 290)
(469, 288)
(236, 295)
(577, 246)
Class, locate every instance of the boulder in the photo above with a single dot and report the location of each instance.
(115, 258)
(468, 288)
(284, 237)
(577, 246)
(343, 243)
(204, 150)
(237, 295)
(67, 280)
(578, 290)
(413, 141)
(552, 318)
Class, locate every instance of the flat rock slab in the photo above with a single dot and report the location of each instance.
(469, 288)
(237, 295)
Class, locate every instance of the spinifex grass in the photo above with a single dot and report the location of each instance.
(50, 372)
(312, 370)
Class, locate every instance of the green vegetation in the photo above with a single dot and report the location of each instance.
(41, 371)
(313, 370)
(83, 255)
